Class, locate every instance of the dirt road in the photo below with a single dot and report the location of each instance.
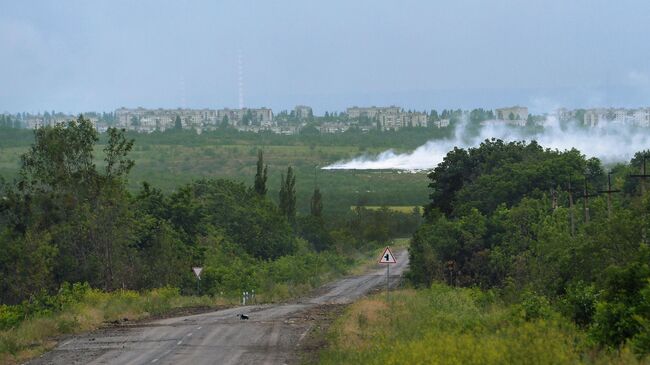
(270, 336)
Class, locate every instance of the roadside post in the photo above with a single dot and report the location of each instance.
(387, 258)
(197, 272)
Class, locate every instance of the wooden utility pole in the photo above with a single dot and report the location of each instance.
(585, 202)
(609, 193)
(573, 222)
(643, 176)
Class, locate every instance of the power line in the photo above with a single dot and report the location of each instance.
(643, 176)
(570, 190)
(585, 201)
(609, 193)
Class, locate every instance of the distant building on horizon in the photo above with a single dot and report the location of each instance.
(388, 118)
(303, 112)
(372, 112)
(246, 116)
(601, 116)
(515, 113)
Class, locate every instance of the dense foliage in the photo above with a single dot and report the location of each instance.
(500, 216)
(68, 217)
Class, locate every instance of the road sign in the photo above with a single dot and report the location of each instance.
(387, 257)
(197, 272)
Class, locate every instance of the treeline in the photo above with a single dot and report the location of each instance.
(529, 222)
(66, 219)
(309, 136)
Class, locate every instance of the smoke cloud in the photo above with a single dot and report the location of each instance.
(611, 142)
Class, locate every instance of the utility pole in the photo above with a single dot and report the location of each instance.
(643, 176)
(609, 193)
(573, 222)
(585, 202)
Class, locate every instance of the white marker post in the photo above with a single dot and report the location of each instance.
(387, 258)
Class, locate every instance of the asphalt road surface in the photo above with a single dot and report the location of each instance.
(270, 336)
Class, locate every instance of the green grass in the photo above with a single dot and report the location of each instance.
(444, 325)
(168, 166)
(38, 334)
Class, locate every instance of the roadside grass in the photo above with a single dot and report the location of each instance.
(95, 308)
(444, 325)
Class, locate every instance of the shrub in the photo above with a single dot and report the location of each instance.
(579, 303)
(534, 306)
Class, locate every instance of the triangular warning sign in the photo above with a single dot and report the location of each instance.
(197, 271)
(387, 257)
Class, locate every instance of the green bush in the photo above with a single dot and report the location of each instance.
(534, 306)
(41, 304)
(579, 303)
(10, 315)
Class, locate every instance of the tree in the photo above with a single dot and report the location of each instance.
(61, 158)
(82, 216)
(116, 150)
(261, 175)
(288, 195)
(317, 203)
(177, 123)
(225, 122)
(511, 116)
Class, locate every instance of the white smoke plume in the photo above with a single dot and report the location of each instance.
(611, 142)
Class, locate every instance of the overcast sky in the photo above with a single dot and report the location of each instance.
(76, 56)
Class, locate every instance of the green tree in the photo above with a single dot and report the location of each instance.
(116, 151)
(82, 214)
(178, 124)
(316, 203)
(61, 159)
(261, 175)
(288, 195)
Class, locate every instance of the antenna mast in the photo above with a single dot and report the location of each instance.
(240, 69)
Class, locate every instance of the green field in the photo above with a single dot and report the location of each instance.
(168, 164)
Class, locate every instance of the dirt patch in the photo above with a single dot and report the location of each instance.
(315, 340)
(174, 312)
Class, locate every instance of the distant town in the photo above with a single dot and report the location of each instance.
(301, 118)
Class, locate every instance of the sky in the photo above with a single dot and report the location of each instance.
(77, 56)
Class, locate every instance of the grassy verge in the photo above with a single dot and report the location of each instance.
(445, 325)
(91, 309)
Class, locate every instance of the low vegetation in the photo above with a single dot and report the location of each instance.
(444, 325)
(32, 327)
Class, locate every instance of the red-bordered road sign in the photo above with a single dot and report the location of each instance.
(387, 257)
